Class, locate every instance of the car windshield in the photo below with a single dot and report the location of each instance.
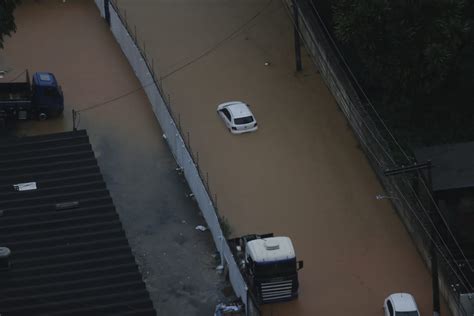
(407, 314)
(243, 120)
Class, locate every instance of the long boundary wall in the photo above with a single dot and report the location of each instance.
(145, 74)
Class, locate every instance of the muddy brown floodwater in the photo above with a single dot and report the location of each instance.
(301, 174)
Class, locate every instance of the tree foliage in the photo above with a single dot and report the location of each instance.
(407, 47)
(7, 20)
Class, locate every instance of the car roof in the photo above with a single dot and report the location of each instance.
(403, 302)
(239, 109)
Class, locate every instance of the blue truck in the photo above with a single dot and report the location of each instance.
(39, 98)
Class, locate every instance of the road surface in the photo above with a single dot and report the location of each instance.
(302, 173)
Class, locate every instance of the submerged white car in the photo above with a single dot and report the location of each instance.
(400, 304)
(237, 117)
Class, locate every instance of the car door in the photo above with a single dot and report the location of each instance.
(225, 114)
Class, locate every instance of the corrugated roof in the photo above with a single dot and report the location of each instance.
(69, 253)
(453, 165)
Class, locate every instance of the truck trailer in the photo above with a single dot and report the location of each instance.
(39, 99)
(268, 265)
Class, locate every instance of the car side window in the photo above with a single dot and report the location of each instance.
(390, 308)
(227, 114)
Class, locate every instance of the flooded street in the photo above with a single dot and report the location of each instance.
(302, 173)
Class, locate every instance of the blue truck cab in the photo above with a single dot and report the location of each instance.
(47, 96)
(39, 99)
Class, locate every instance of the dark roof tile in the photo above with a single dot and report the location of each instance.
(69, 253)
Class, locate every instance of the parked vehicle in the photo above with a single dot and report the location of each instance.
(40, 99)
(268, 265)
(400, 304)
(237, 117)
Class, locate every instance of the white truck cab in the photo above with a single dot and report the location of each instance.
(270, 267)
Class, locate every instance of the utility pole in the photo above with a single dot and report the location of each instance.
(418, 167)
(299, 67)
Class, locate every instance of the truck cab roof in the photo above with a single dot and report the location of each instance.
(44, 79)
(270, 249)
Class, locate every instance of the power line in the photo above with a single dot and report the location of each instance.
(431, 238)
(217, 45)
(356, 81)
(438, 233)
(367, 147)
(407, 157)
(194, 60)
(115, 98)
(417, 167)
(445, 222)
(364, 122)
(18, 76)
(434, 230)
(396, 142)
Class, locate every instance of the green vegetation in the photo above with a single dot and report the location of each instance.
(7, 20)
(415, 58)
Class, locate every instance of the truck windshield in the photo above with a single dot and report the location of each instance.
(276, 268)
(407, 314)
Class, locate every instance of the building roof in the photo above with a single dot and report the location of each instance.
(69, 253)
(453, 165)
(271, 249)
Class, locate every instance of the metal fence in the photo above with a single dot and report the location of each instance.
(181, 150)
(408, 193)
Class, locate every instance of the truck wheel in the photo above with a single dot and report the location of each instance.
(42, 116)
